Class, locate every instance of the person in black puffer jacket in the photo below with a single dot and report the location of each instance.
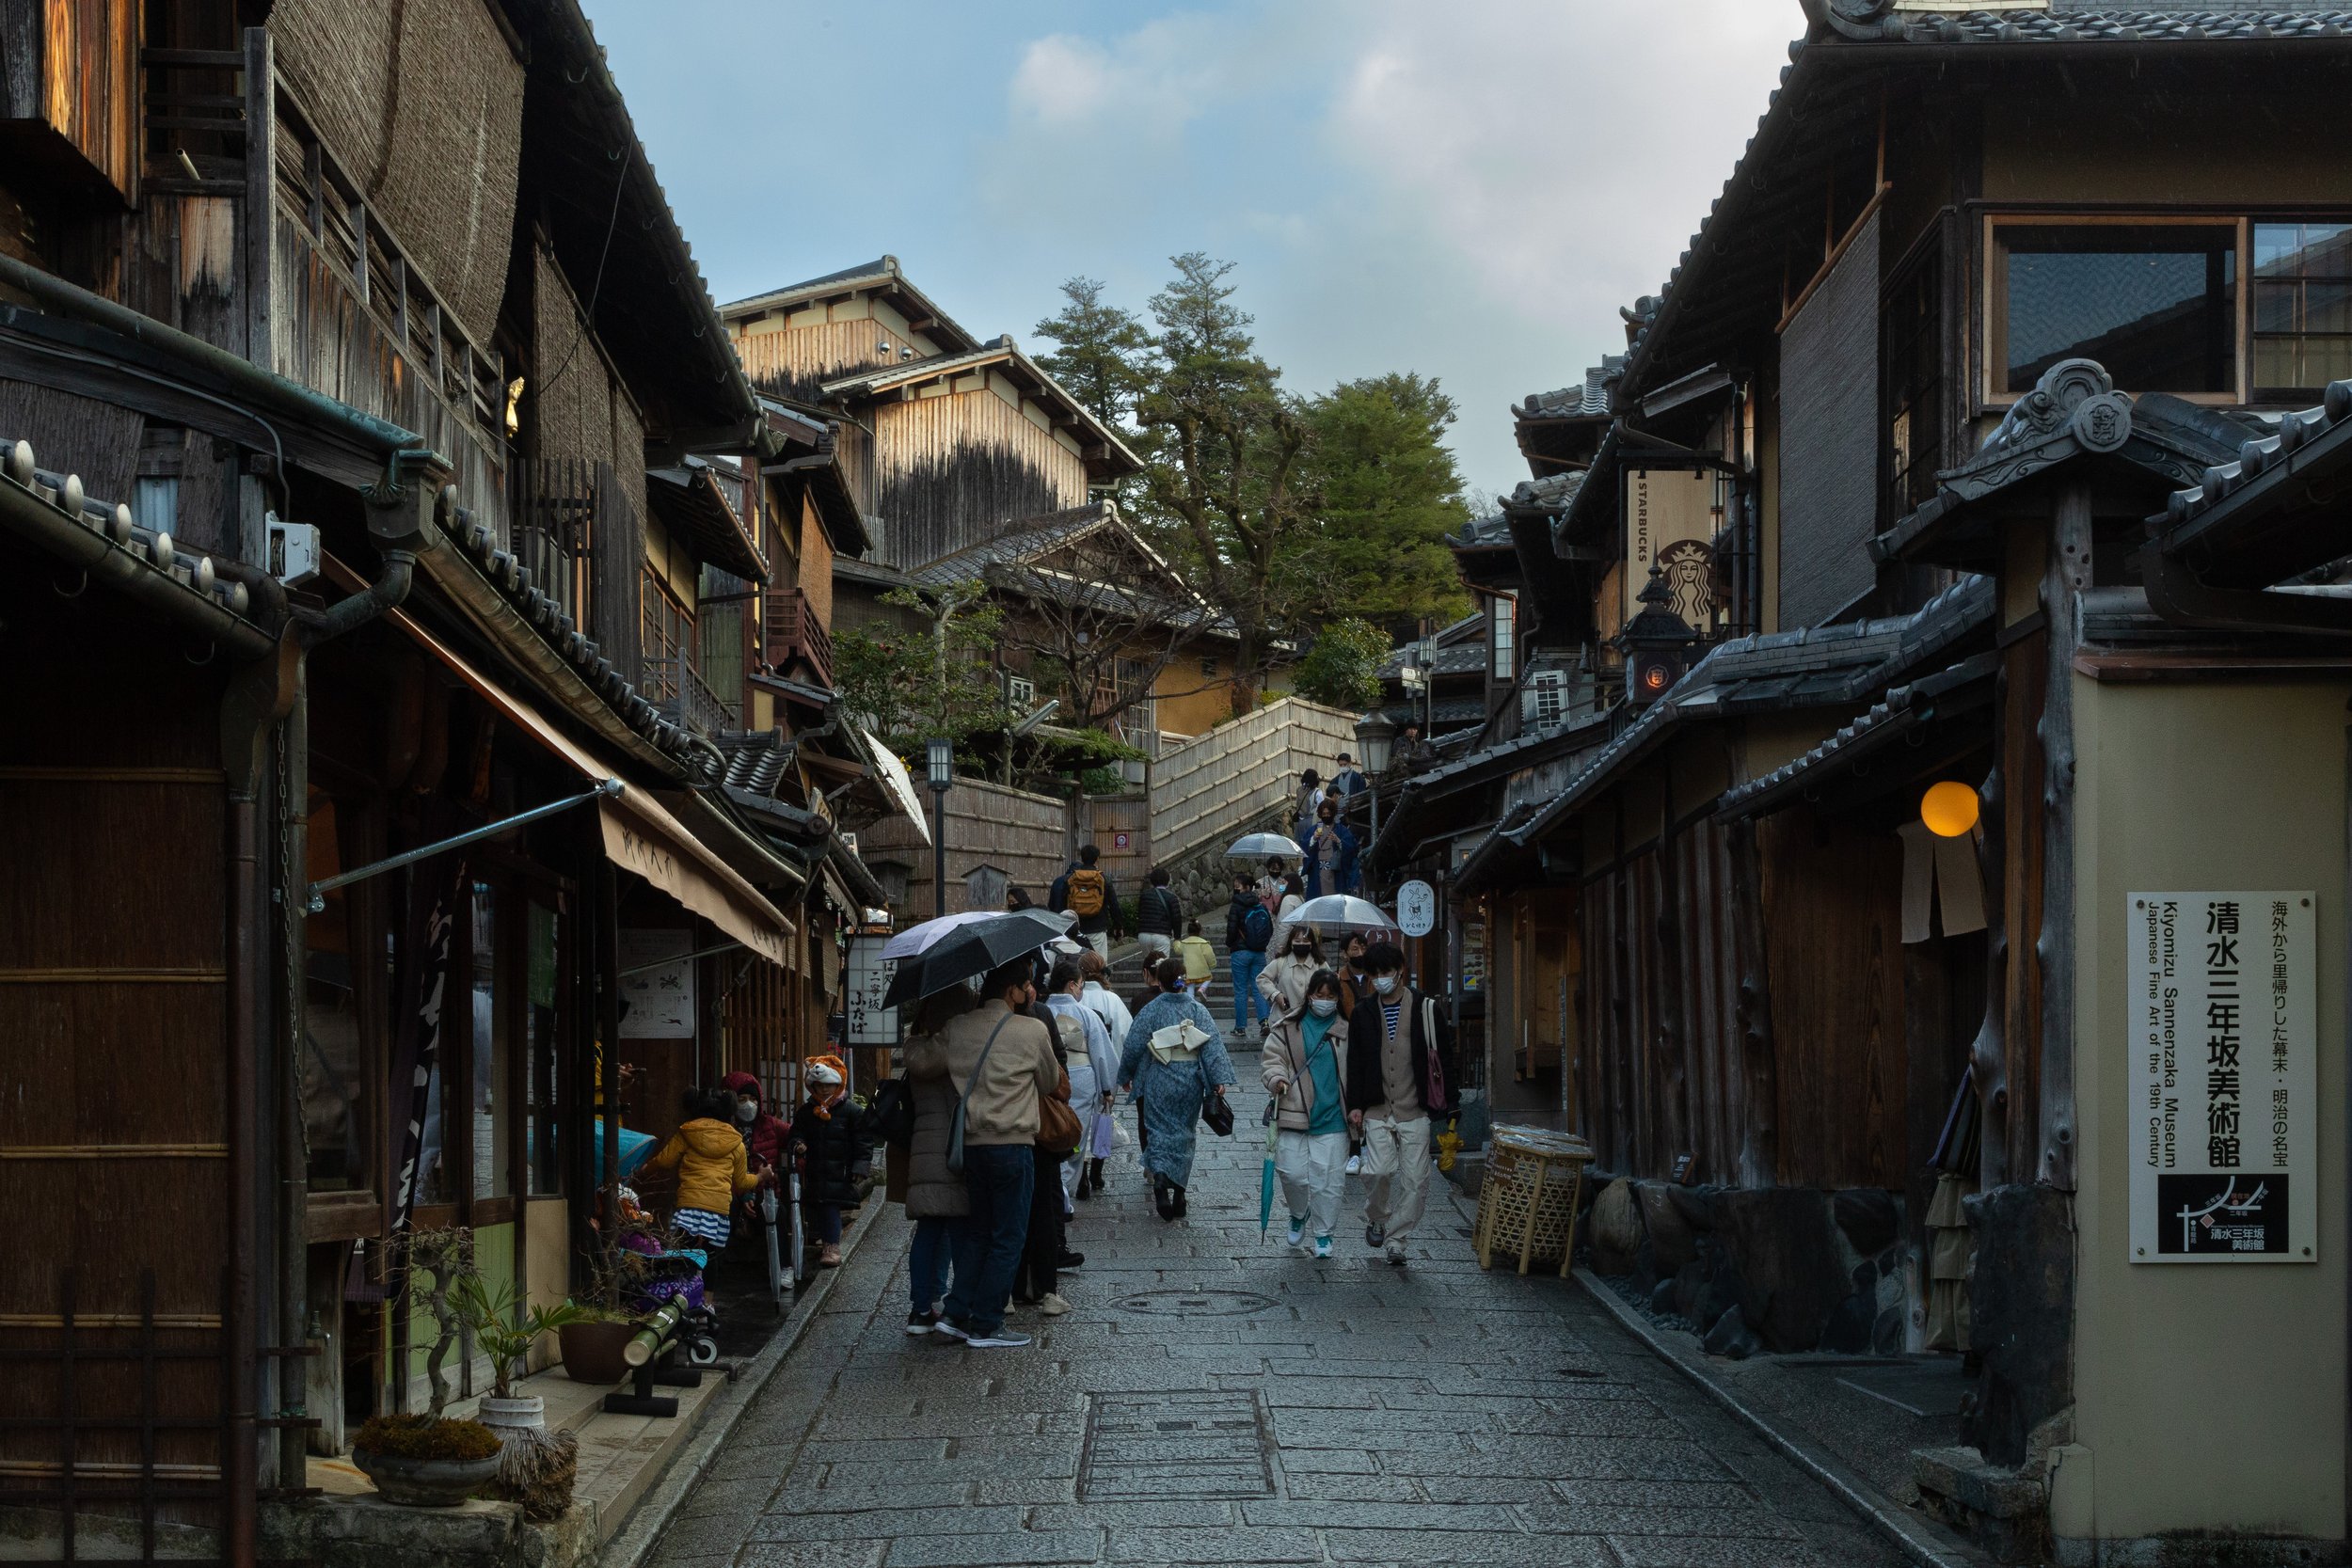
(1158, 916)
(835, 1149)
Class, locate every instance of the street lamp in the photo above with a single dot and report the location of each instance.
(1375, 739)
(940, 760)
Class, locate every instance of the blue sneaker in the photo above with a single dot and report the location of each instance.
(1323, 1247)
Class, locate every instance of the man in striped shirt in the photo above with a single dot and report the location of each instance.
(1396, 1081)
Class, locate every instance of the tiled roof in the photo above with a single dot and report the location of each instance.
(1490, 533)
(1460, 660)
(1028, 541)
(883, 272)
(2267, 463)
(879, 378)
(1550, 493)
(1586, 400)
(1446, 711)
(1903, 708)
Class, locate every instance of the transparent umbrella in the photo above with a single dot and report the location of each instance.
(1339, 911)
(1257, 846)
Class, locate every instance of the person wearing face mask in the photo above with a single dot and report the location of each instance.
(1356, 994)
(835, 1147)
(1283, 982)
(1398, 1051)
(1326, 849)
(763, 1130)
(1172, 1060)
(1304, 1066)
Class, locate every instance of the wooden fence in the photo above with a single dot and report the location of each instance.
(1241, 772)
(1023, 836)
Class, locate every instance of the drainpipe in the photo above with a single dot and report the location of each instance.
(398, 508)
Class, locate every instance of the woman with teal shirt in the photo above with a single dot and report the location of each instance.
(1304, 1064)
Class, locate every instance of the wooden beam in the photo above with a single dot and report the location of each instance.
(2066, 574)
(1828, 262)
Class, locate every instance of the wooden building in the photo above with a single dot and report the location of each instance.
(373, 477)
(1976, 441)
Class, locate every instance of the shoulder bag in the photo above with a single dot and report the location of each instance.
(1058, 1131)
(893, 1114)
(1434, 1098)
(955, 1123)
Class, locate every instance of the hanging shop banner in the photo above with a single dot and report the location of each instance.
(659, 996)
(2224, 1078)
(1670, 522)
(1416, 908)
(433, 901)
(867, 1021)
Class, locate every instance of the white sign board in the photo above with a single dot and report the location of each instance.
(660, 998)
(2224, 1107)
(867, 1021)
(1416, 909)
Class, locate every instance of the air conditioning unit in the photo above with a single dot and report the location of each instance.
(1544, 701)
(1020, 692)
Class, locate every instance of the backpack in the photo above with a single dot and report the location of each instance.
(1257, 928)
(1087, 888)
(892, 1119)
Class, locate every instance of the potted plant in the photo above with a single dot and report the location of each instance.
(426, 1461)
(593, 1341)
(535, 1468)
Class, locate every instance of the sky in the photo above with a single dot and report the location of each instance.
(1469, 190)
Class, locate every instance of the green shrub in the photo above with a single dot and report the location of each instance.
(424, 1437)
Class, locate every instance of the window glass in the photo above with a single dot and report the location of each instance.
(492, 1057)
(2302, 309)
(1505, 635)
(544, 1044)
(2155, 304)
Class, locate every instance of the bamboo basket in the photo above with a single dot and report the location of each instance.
(1527, 1204)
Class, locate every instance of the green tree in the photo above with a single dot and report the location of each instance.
(1391, 492)
(908, 682)
(1228, 482)
(1342, 669)
(1104, 357)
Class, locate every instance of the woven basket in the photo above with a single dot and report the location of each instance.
(1538, 1175)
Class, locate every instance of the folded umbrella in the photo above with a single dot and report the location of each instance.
(1265, 1178)
(939, 953)
(1339, 911)
(1257, 846)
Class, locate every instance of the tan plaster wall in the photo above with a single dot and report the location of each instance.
(2232, 151)
(2209, 1395)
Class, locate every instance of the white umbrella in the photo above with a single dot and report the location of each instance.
(922, 937)
(1337, 911)
(1257, 846)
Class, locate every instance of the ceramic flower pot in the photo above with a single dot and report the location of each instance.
(592, 1351)
(425, 1482)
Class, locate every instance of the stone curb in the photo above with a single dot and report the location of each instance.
(1909, 1536)
(635, 1540)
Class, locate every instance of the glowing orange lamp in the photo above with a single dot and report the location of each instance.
(1948, 809)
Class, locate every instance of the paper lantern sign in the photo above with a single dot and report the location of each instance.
(1948, 809)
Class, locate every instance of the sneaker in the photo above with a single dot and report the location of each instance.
(1375, 1234)
(1396, 1255)
(922, 1322)
(1050, 1304)
(1004, 1339)
(1323, 1247)
(1069, 1260)
(1297, 1232)
(948, 1330)
(1355, 1165)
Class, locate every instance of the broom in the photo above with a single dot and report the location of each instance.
(536, 1468)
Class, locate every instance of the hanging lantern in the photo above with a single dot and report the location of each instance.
(1948, 809)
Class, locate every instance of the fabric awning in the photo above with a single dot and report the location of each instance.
(897, 782)
(640, 833)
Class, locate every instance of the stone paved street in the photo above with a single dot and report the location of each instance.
(1216, 1399)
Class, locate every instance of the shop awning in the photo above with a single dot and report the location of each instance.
(640, 833)
(897, 782)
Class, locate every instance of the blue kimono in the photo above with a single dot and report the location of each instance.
(1170, 1093)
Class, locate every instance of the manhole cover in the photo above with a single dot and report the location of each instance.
(1195, 1303)
(1142, 1446)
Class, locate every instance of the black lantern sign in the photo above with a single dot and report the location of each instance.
(1656, 643)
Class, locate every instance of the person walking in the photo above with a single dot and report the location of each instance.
(1159, 916)
(1199, 957)
(1397, 1080)
(1174, 1059)
(1304, 1066)
(1327, 852)
(836, 1153)
(1106, 1005)
(1248, 926)
(1292, 895)
(1045, 1252)
(1001, 1063)
(1349, 780)
(1085, 891)
(1283, 982)
(1310, 795)
(1356, 998)
(918, 1174)
(1093, 1072)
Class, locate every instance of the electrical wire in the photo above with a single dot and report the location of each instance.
(588, 314)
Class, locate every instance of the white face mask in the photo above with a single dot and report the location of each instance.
(746, 1110)
(1324, 1005)
(1384, 984)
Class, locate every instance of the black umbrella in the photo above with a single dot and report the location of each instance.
(939, 953)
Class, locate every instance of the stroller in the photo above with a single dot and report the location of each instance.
(662, 1273)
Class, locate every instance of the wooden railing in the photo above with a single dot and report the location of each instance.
(795, 629)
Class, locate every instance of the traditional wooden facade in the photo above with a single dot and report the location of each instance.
(364, 495)
(1878, 499)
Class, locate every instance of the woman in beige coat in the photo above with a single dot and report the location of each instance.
(1304, 1066)
(934, 1196)
(1290, 964)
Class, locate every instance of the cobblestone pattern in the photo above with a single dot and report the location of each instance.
(1362, 1415)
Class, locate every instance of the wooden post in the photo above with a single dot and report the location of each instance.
(1759, 1156)
(2066, 574)
(261, 201)
(1988, 1054)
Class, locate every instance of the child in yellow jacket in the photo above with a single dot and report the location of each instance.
(1200, 960)
(712, 1168)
